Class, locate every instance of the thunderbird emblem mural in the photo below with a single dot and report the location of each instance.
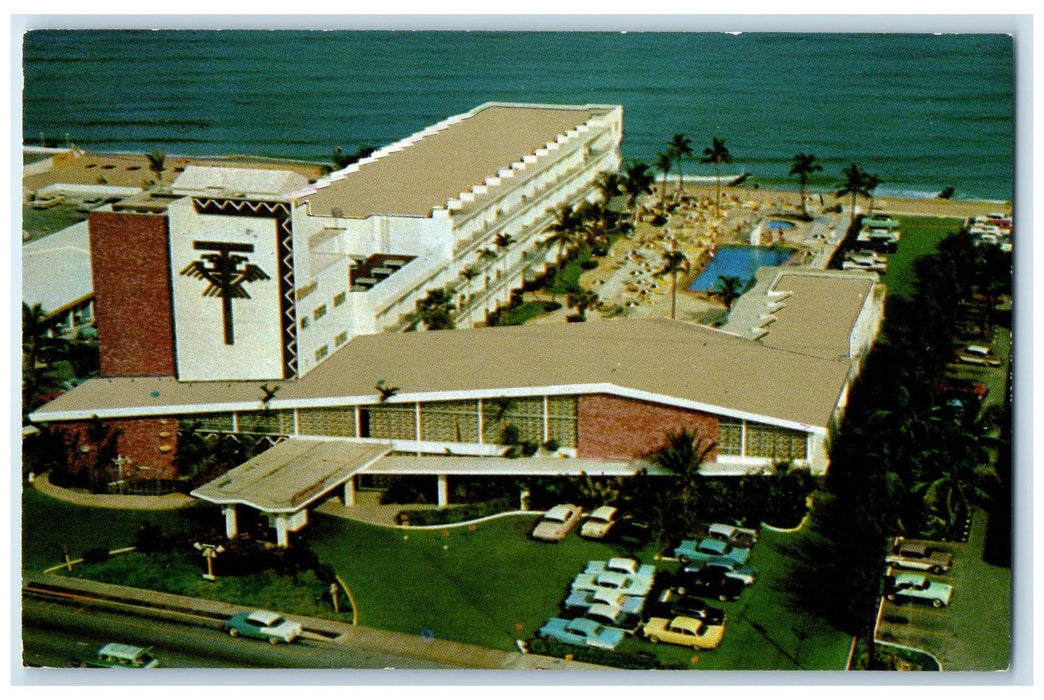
(226, 274)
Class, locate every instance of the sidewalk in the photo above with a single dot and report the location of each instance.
(171, 501)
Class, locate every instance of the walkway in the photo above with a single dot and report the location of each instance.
(171, 501)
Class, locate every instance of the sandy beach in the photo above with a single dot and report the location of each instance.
(627, 278)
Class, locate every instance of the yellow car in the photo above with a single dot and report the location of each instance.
(684, 631)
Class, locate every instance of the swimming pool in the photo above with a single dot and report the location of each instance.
(739, 261)
(778, 225)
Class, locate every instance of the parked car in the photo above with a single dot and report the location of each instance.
(631, 532)
(579, 601)
(613, 617)
(263, 624)
(615, 582)
(116, 655)
(918, 587)
(710, 548)
(979, 355)
(581, 632)
(957, 388)
(709, 582)
(684, 631)
(621, 565)
(556, 523)
(600, 522)
(919, 556)
(743, 573)
(670, 603)
(734, 535)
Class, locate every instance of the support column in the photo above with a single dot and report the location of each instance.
(349, 491)
(282, 536)
(443, 491)
(231, 526)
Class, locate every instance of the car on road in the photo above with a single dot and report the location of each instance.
(684, 631)
(556, 523)
(919, 556)
(116, 655)
(917, 587)
(979, 355)
(711, 583)
(582, 632)
(263, 624)
(599, 523)
(708, 549)
(670, 603)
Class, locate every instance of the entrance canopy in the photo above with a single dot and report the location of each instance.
(289, 476)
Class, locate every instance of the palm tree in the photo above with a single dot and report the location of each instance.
(488, 256)
(717, 153)
(435, 309)
(674, 261)
(870, 183)
(40, 345)
(156, 159)
(803, 165)
(854, 184)
(682, 455)
(503, 241)
(607, 183)
(727, 288)
(636, 182)
(469, 273)
(680, 146)
(563, 232)
(664, 163)
(581, 300)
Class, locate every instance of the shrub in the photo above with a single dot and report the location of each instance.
(550, 306)
(616, 659)
(589, 264)
(551, 445)
(456, 515)
(575, 318)
(95, 555)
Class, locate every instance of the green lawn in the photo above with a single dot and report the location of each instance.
(492, 585)
(920, 236)
(49, 524)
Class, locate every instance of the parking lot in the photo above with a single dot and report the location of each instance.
(974, 632)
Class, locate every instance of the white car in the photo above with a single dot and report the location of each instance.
(979, 355)
(598, 525)
(557, 522)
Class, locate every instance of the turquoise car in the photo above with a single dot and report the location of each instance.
(613, 582)
(582, 632)
(709, 549)
(262, 624)
(584, 600)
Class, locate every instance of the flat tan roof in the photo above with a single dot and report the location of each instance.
(657, 359)
(290, 475)
(438, 167)
(804, 326)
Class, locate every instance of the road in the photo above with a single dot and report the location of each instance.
(53, 632)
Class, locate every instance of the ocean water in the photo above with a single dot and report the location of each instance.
(923, 112)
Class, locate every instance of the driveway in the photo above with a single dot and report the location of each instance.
(974, 632)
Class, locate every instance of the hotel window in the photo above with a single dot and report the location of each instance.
(334, 422)
(730, 436)
(319, 312)
(322, 352)
(341, 338)
(339, 298)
